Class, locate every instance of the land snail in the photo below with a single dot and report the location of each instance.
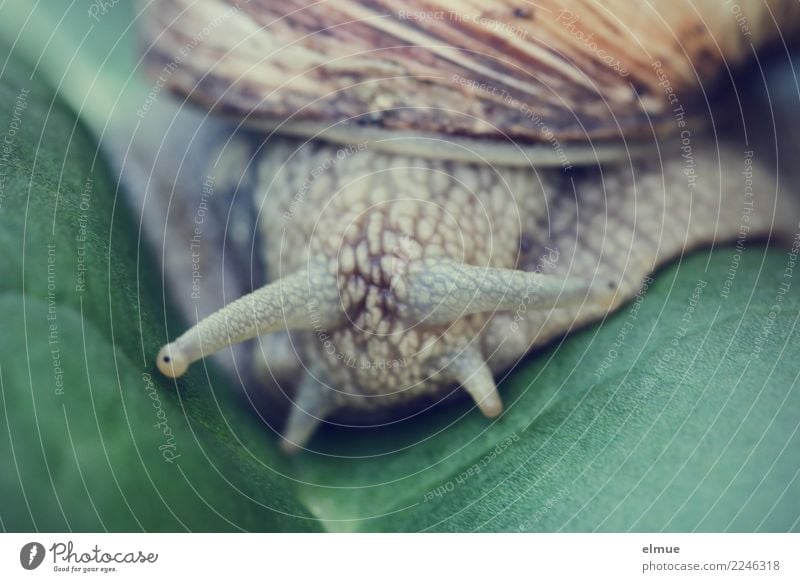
(440, 189)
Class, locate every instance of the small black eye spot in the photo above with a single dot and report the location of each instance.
(166, 359)
(611, 285)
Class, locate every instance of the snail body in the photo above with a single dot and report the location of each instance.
(417, 250)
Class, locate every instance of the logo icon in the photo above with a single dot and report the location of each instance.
(31, 555)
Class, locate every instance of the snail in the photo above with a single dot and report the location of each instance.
(441, 188)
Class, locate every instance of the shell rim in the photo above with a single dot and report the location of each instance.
(460, 148)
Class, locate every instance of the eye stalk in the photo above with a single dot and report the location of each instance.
(441, 291)
(283, 304)
(171, 361)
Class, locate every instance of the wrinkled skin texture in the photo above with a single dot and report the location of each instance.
(348, 233)
(371, 217)
(404, 277)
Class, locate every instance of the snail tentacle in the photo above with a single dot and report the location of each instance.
(298, 301)
(313, 403)
(443, 290)
(469, 369)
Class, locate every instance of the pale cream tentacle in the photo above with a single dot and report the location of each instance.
(298, 301)
(314, 401)
(469, 369)
(441, 291)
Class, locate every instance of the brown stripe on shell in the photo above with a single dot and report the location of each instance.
(473, 68)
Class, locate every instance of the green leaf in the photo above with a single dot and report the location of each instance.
(679, 413)
(90, 61)
(92, 437)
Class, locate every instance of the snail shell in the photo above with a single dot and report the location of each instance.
(439, 191)
(585, 69)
